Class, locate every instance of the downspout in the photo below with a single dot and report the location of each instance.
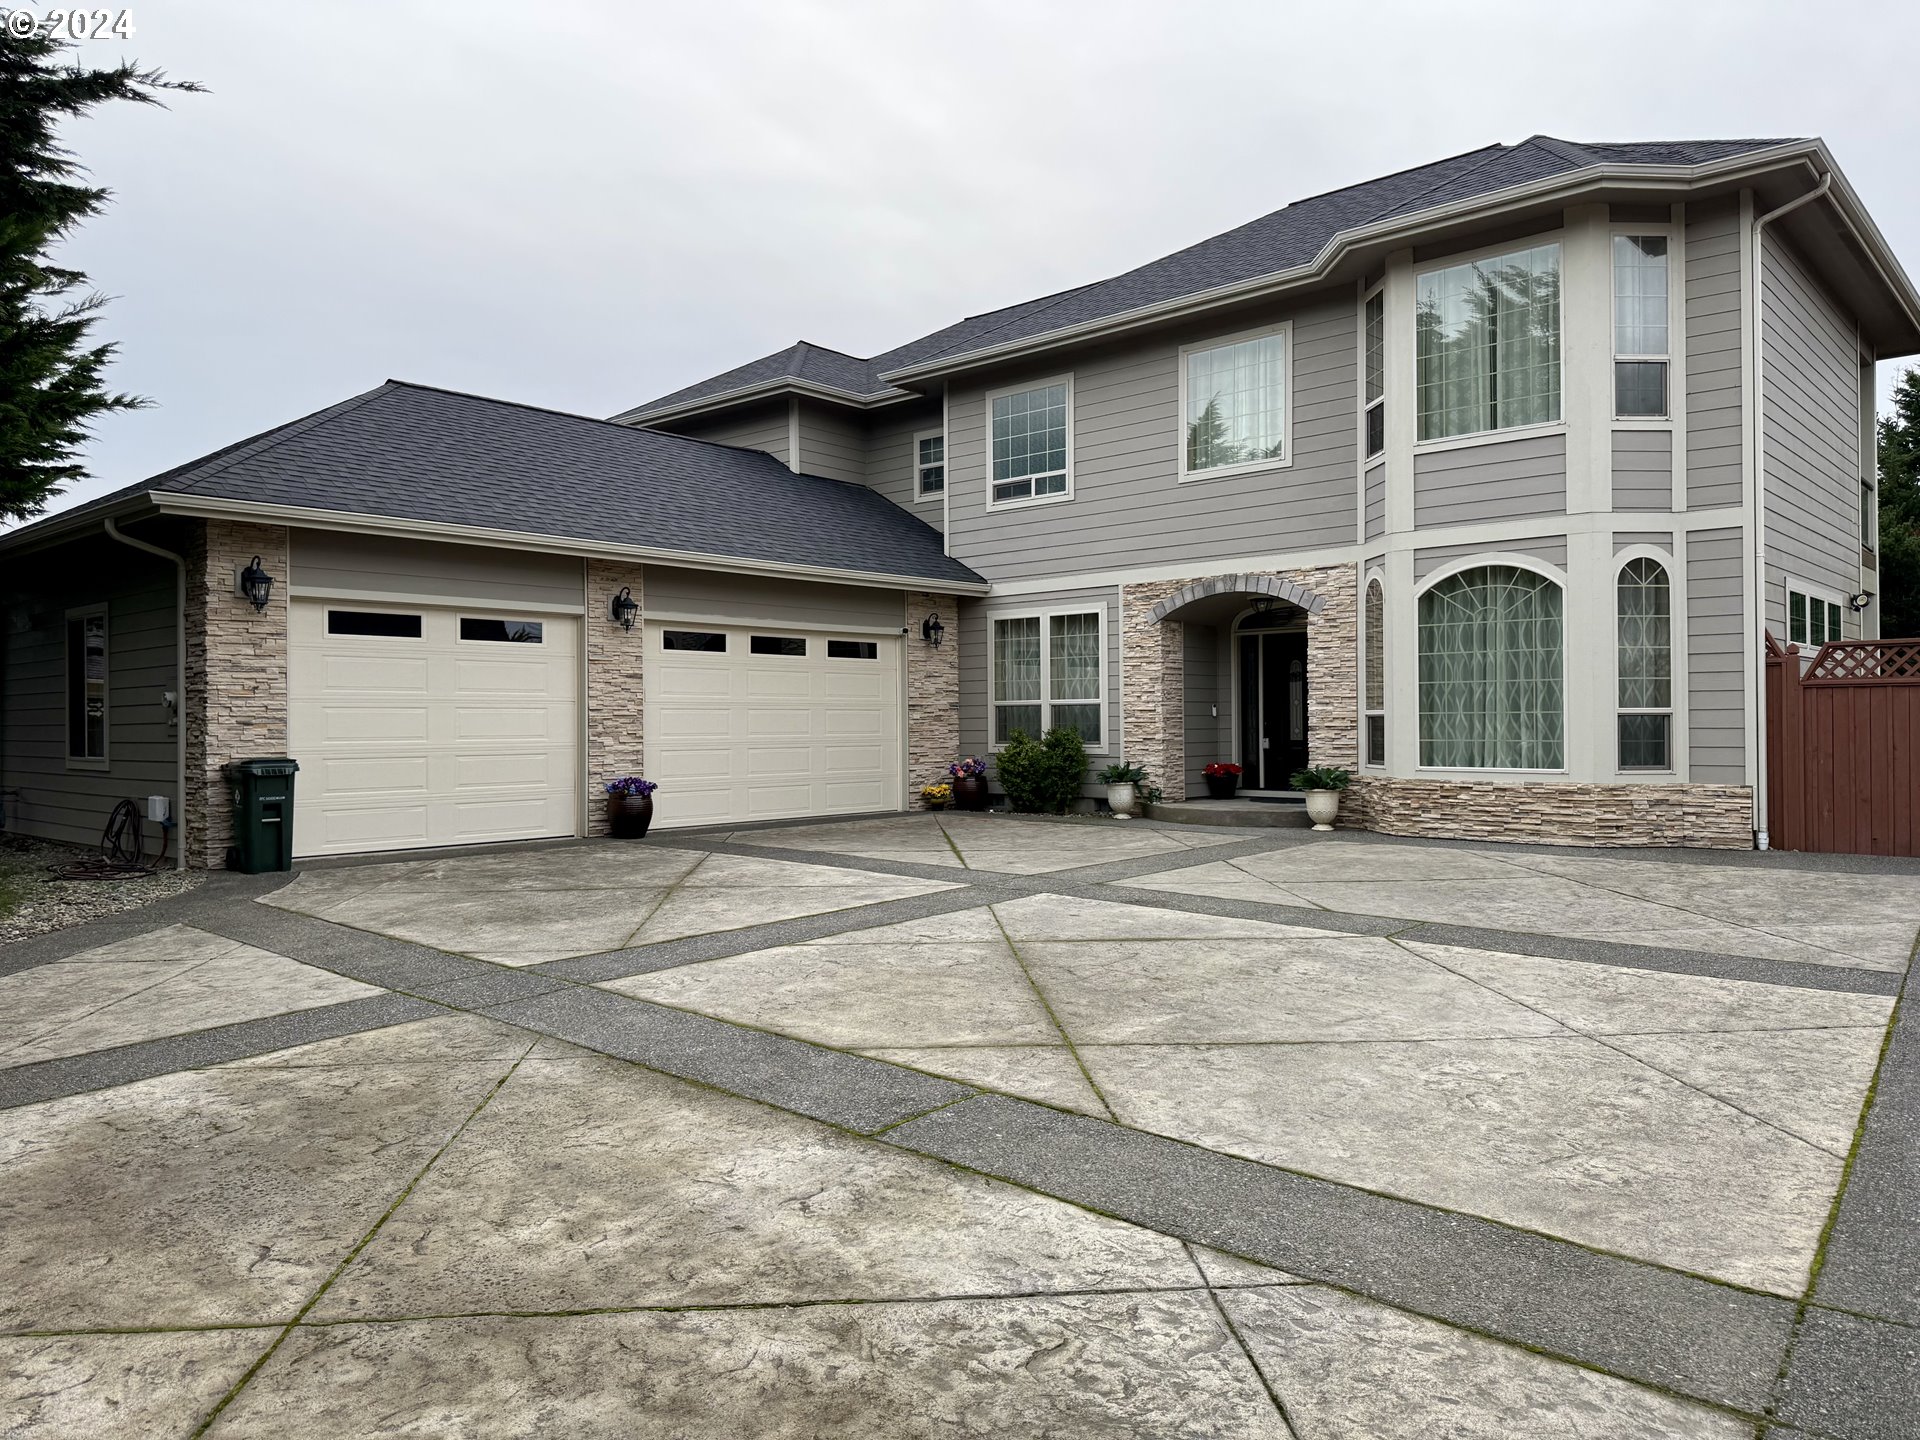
(179, 684)
(1757, 586)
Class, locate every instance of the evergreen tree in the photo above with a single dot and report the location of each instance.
(1899, 548)
(50, 376)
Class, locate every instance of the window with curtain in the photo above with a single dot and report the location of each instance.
(1046, 672)
(1488, 343)
(1030, 443)
(1645, 700)
(930, 463)
(1640, 346)
(1491, 686)
(1237, 404)
(1376, 377)
(1375, 700)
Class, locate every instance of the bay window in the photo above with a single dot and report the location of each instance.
(1376, 376)
(1645, 651)
(1491, 684)
(1640, 344)
(1375, 697)
(1046, 671)
(1235, 403)
(1488, 343)
(1029, 441)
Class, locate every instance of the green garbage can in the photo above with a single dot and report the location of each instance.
(262, 814)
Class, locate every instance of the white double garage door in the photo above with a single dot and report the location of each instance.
(422, 726)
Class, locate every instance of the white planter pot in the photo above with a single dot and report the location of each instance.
(1120, 799)
(1322, 806)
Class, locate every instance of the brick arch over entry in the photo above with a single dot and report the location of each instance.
(1292, 593)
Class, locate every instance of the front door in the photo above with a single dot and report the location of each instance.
(1273, 707)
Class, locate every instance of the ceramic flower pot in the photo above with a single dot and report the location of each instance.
(1120, 798)
(628, 816)
(970, 792)
(1322, 806)
(1222, 787)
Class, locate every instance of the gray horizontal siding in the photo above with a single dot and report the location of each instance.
(833, 443)
(1376, 500)
(1128, 507)
(1643, 470)
(1716, 671)
(1811, 416)
(890, 455)
(756, 427)
(322, 561)
(1210, 700)
(748, 599)
(1500, 480)
(1715, 416)
(140, 594)
(1550, 548)
(1625, 539)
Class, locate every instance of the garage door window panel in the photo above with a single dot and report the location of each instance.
(853, 650)
(380, 624)
(502, 632)
(789, 646)
(710, 642)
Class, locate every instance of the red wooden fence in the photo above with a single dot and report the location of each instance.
(1843, 748)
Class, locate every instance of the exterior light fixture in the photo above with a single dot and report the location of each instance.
(931, 630)
(256, 584)
(623, 607)
(1859, 602)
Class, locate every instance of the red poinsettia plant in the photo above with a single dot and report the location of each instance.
(1219, 768)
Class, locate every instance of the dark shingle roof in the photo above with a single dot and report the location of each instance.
(1280, 241)
(412, 452)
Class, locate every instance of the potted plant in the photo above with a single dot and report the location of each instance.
(629, 806)
(937, 797)
(1121, 780)
(1323, 784)
(969, 777)
(1223, 778)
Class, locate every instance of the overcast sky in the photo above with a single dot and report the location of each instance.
(584, 203)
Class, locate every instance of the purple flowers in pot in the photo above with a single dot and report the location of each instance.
(630, 785)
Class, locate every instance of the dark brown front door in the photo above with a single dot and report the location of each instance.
(1273, 708)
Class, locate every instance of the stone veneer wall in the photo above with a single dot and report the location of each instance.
(1153, 671)
(1716, 817)
(933, 693)
(616, 694)
(236, 676)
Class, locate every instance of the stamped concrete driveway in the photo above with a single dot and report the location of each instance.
(972, 1125)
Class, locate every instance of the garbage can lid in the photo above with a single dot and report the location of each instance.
(264, 765)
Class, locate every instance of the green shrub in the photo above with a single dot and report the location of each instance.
(1043, 777)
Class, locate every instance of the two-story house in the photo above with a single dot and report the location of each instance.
(1484, 479)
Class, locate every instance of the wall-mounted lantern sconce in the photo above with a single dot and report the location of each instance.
(931, 630)
(623, 607)
(1859, 602)
(255, 584)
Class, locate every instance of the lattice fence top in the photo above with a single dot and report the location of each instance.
(1895, 662)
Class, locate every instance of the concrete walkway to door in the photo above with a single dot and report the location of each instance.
(972, 1125)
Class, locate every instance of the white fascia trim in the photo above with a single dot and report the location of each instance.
(1408, 229)
(55, 529)
(354, 523)
(765, 390)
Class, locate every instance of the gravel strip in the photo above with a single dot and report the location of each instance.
(33, 902)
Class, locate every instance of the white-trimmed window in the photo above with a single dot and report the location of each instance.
(1644, 607)
(1375, 666)
(1047, 671)
(1641, 347)
(1488, 343)
(1812, 618)
(1234, 403)
(1376, 373)
(929, 464)
(1030, 440)
(87, 687)
(1492, 679)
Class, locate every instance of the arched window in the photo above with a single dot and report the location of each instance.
(1375, 698)
(1645, 605)
(1491, 687)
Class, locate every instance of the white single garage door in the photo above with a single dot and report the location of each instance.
(752, 723)
(420, 725)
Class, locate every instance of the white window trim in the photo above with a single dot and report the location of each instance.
(1046, 670)
(1478, 562)
(104, 760)
(1248, 467)
(1789, 585)
(1372, 577)
(928, 497)
(1676, 320)
(1377, 457)
(987, 417)
(1468, 257)
(1676, 676)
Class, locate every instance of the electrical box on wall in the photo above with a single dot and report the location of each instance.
(158, 808)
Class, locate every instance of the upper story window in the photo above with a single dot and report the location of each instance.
(1236, 403)
(929, 464)
(1488, 343)
(1645, 699)
(1491, 674)
(1376, 377)
(87, 686)
(1640, 345)
(1031, 436)
(1811, 619)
